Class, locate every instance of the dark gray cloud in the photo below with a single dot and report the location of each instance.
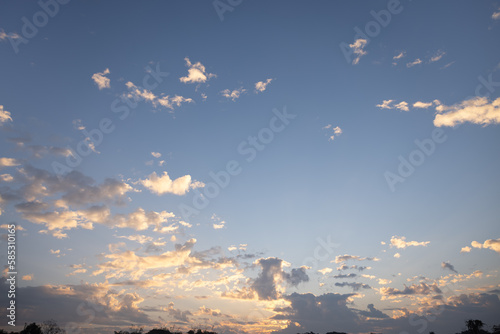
(449, 266)
(353, 286)
(414, 289)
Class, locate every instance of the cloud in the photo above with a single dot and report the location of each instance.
(465, 249)
(397, 255)
(161, 185)
(400, 242)
(156, 154)
(476, 110)
(8, 162)
(28, 277)
(196, 73)
(352, 275)
(268, 284)
(495, 16)
(218, 225)
(388, 104)
(179, 315)
(325, 271)
(449, 266)
(137, 93)
(11, 35)
(493, 244)
(373, 313)
(346, 257)
(337, 131)
(233, 95)
(422, 105)
(353, 286)
(358, 49)
(4, 115)
(100, 80)
(437, 56)
(262, 85)
(414, 289)
(413, 63)
(399, 55)
(383, 281)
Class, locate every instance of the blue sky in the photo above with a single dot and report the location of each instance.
(358, 141)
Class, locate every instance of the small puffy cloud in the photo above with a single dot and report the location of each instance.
(262, 85)
(6, 178)
(383, 281)
(400, 242)
(325, 271)
(196, 73)
(493, 244)
(465, 249)
(397, 255)
(233, 95)
(163, 184)
(389, 104)
(496, 16)
(386, 104)
(101, 80)
(156, 154)
(137, 93)
(437, 56)
(4, 115)
(476, 110)
(337, 131)
(402, 106)
(422, 105)
(449, 266)
(219, 225)
(358, 49)
(9, 162)
(413, 63)
(28, 277)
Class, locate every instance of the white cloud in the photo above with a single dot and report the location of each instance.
(137, 93)
(9, 162)
(164, 184)
(493, 244)
(400, 242)
(476, 110)
(413, 63)
(358, 47)
(4, 115)
(156, 154)
(261, 85)
(397, 255)
(218, 225)
(422, 105)
(196, 73)
(495, 16)
(437, 56)
(233, 95)
(402, 106)
(4, 35)
(399, 55)
(465, 249)
(100, 80)
(386, 104)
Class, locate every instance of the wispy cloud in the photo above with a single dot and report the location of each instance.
(437, 56)
(415, 62)
(4, 115)
(358, 49)
(400, 242)
(389, 104)
(233, 94)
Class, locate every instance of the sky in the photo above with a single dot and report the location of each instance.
(251, 166)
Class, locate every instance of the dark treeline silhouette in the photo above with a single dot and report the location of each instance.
(51, 327)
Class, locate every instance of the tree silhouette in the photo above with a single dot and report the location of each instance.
(51, 327)
(474, 326)
(32, 328)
